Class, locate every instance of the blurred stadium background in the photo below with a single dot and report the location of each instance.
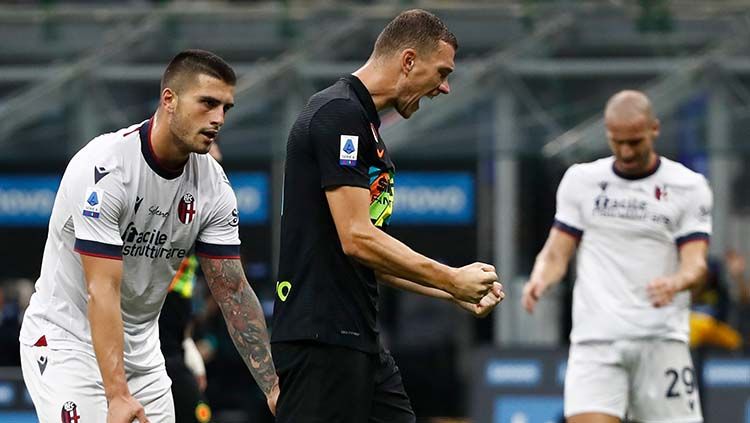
(477, 169)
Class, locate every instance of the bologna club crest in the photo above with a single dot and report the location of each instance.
(69, 413)
(660, 192)
(186, 209)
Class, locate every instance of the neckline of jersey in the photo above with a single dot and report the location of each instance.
(365, 98)
(640, 175)
(148, 153)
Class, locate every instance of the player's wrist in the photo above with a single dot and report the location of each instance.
(449, 282)
(117, 391)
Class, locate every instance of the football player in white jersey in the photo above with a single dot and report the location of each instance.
(130, 206)
(641, 225)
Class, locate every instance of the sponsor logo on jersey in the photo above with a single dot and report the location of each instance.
(627, 208)
(149, 243)
(92, 206)
(99, 173)
(42, 362)
(282, 289)
(186, 210)
(234, 218)
(154, 211)
(704, 213)
(348, 150)
(138, 201)
(69, 413)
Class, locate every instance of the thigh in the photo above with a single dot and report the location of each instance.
(390, 404)
(64, 385)
(153, 391)
(322, 383)
(664, 385)
(595, 381)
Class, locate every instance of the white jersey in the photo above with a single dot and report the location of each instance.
(630, 230)
(116, 201)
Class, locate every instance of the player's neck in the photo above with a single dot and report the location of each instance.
(650, 169)
(164, 145)
(379, 81)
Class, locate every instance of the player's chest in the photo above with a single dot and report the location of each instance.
(162, 214)
(649, 205)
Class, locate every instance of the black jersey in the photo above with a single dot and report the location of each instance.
(322, 294)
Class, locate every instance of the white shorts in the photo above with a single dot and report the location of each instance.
(66, 385)
(650, 381)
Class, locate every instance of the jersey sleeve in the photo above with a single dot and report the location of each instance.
(97, 198)
(219, 237)
(695, 223)
(339, 142)
(568, 217)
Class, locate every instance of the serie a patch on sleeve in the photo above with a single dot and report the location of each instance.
(93, 203)
(348, 150)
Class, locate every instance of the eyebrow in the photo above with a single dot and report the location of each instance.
(215, 100)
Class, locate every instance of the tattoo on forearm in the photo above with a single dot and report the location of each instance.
(244, 316)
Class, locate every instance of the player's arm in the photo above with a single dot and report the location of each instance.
(481, 309)
(550, 266)
(361, 240)
(103, 278)
(692, 272)
(245, 321)
(693, 233)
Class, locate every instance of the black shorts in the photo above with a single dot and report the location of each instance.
(327, 383)
(189, 403)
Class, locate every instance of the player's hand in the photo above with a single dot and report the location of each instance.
(532, 292)
(272, 397)
(126, 409)
(486, 304)
(661, 290)
(472, 282)
(202, 382)
(735, 265)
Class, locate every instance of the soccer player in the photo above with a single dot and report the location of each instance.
(338, 200)
(641, 224)
(130, 207)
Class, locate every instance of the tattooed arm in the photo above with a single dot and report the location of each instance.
(245, 321)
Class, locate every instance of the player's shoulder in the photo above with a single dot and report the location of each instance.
(108, 152)
(212, 175)
(336, 101)
(112, 143)
(588, 170)
(678, 174)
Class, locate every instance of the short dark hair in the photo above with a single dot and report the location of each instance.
(417, 29)
(190, 63)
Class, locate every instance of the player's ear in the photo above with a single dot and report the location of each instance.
(168, 100)
(408, 56)
(656, 127)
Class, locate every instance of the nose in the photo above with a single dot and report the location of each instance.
(626, 152)
(445, 87)
(217, 117)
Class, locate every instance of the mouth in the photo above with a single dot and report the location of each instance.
(210, 134)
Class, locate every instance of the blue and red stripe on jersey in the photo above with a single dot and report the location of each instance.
(217, 251)
(98, 249)
(570, 230)
(695, 236)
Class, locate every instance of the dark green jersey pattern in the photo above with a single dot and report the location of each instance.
(322, 294)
